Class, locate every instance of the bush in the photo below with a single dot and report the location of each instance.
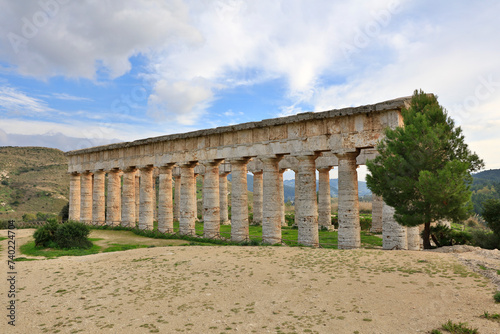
(44, 235)
(68, 235)
(366, 223)
(72, 235)
(491, 213)
(442, 235)
(290, 219)
(485, 239)
(496, 296)
(29, 217)
(335, 221)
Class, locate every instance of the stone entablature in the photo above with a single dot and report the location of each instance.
(328, 131)
(304, 143)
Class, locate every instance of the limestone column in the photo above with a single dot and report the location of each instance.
(74, 197)
(98, 198)
(239, 200)
(113, 207)
(224, 214)
(271, 215)
(211, 200)
(393, 235)
(86, 198)
(281, 193)
(324, 198)
(349, 228)
(165, 205)
(187, 210)
(137, 195)
(146, 199)
(307, 215)
(296, 191)
(128, 198)
(195, 186)
(177, 196)
(413, 238)
(377, 206)
(257, 197)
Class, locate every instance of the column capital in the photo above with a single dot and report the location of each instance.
(327, 168)
(165, 168)
(211, 163)
(188, 164)
(113, 170)
(347, 153)
(270, 157)
(129, 169)
(98, 171)
(307, 156)
(260, 171)
(74, 173)
(145, 167)
(239, 161)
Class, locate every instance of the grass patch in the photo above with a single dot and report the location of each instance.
(460, 328)
(496, 296)
(493, 317)
(3, 238)
(123, 247)
(19, 259)
(30, 249)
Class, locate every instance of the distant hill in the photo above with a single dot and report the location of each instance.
(32, 179)
(485, 185)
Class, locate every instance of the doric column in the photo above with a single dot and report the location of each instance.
(349, 228)
(307, 214)
(187, 210)
(98, 198)
(128, 198)
(74, 197)
(281, 193)
(86, 198)
(271, 215)
(113, 207)
(239, 200)
(224, 214)
(177, 196)
(146, 199)
(393, 235)
(296, 191)
(137, 194)
(377, 206)
(257, 198)
(195, 192)
(413, 237)
(165, 205)
(211, 201)
(324, 198)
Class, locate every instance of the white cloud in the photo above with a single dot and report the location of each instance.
(16, 103)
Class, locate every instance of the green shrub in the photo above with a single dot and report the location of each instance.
(444, 236)
(72, 235)
(335, 221)
(68, 235)
(496, 296)
(366, 223)
(29, 217)
(485, 239)
(290, 219)
(44, 235)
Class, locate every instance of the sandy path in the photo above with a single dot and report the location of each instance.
(249, 290)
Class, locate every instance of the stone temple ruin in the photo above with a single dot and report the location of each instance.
(303, 143)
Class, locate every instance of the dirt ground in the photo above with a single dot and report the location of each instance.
(226, 289)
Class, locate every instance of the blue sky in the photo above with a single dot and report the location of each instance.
(75, 74)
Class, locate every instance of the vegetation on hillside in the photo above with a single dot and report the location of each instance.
(32, 180)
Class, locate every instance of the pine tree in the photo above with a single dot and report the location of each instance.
(423, 168)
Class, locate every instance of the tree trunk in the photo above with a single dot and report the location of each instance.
(426, 235)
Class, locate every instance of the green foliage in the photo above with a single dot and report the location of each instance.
(485, 239)
(423, 168)
(492, 316)
(496, 296)
(69, 235)
(29, 217)
(366, 223)
(444, 236)
(72, 235)
(460, 328)
(32, 250)
(335, 221)
(290, 219)
(44, 235)
(64, 212)
(491, 213)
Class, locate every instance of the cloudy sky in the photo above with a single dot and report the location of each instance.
(75, 74)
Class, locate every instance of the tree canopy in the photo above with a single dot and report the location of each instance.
(423, 168)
